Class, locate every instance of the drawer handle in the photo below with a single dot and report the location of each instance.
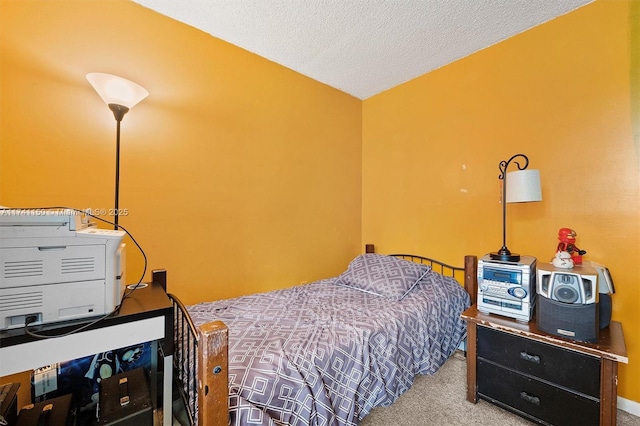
(531, 358)
(124, 391)
(530, 398)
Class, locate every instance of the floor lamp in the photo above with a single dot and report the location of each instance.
(120, 95)
(523, 187)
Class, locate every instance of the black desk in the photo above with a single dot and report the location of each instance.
(145, 316)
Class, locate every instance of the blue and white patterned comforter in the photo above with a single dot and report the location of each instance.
(324, 354)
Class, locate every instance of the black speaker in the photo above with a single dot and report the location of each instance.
(605, 310)
(570, 320)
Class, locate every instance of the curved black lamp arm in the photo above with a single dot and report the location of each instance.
(504, 253)
(505, 164)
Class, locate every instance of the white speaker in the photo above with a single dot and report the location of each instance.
(578, 285)
(568, 302)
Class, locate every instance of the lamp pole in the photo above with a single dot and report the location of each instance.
(118, 112)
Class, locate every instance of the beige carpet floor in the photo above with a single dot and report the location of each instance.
(440, 400)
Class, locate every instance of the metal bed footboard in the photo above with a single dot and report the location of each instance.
(185, 337)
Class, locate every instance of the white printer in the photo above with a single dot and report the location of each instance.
(56, 266)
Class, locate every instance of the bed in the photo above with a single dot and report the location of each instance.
(322, 353)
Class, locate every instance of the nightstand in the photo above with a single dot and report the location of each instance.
(545, 378)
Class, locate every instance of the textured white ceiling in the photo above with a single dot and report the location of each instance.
(363, 47)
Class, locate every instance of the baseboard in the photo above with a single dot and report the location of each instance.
(631, 407)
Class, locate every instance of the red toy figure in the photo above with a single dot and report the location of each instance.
(567, 238)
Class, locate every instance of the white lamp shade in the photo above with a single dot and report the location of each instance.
(523, 186)
(117, 90)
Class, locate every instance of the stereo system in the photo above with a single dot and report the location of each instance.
(574, 303)
(507, 288)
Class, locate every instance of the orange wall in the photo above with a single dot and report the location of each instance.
(239, 175)
(566, 95)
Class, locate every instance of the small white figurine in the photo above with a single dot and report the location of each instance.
(562, 259)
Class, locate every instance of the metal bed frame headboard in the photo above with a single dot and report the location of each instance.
(465, 275)
(442, 268)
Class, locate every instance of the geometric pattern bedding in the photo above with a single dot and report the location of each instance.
(325, 354)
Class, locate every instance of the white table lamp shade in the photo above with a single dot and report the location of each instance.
(523, 186)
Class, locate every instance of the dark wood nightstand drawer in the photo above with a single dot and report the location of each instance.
(541, 400)
(566, 368)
